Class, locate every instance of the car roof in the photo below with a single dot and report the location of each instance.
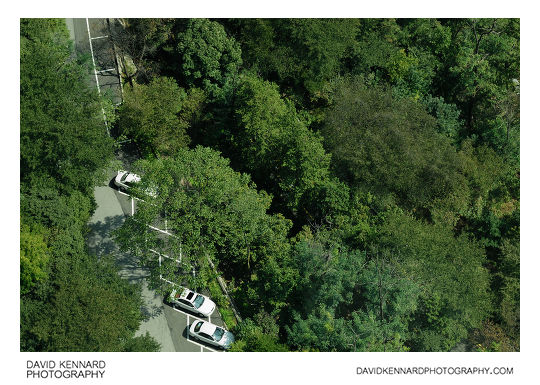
(133, 178)
(185, 294)
(207, 328)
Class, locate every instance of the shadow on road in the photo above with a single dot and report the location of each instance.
(99, 240)
(151, 311)
(111, 183)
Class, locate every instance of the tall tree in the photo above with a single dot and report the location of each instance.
(450, 272)
(349, 300)
(480, 66)
(206, 57)
(151, 116)
(215, 212)
(62, 129)
(70, 300)
(81, 303)
(390, 146)
(138, 41)
(35, 256)
(284, 156)
(301, 54)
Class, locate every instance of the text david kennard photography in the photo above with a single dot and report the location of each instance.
(65, 369)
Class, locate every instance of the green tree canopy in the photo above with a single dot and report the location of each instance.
(481, 64)
(348, 299)
(35, 256)
(70, 300)
(284, 156)
(390, 146)
(297, 53)
(150, 114)
(215, 211)
(206, 56)
(450, 271)
(62, 129)
(81, 303)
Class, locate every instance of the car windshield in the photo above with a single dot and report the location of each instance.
(123, 179)
(218, 334)
(198, 301)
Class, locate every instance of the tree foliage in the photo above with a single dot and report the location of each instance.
(282, 154)
(390, 146)
(349, 300)
(62, 130)
(450, 270)
(70, 300)
(207, 57)
(300, 54)
(35, 256)
(359, 188)
(151, 116)
(217, 211)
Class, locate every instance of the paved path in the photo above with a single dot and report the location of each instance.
(90, 36)
(178, 320)
(165, 323)
(107, 217)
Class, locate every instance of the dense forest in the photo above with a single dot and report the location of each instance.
(355, 181)
(70, 299)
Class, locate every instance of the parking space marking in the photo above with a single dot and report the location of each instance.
(100, 37)
(109, 70)
(95, 72)
(92, 54)
(187, 332)
(164, 279)
(188, 315)
(187, 323)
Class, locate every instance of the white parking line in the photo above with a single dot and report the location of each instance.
(133, 209)
(188, 315)
(92, 53)
(95, 73)
(162, 231)
(109, 70)
(99, 37)
(187, 323)
(187, 331)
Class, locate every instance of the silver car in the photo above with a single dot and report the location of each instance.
(124, 180)
(190, 300)
(211, 334)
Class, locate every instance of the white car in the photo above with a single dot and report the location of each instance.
(190, 300)
(212, 334)
(124, 180)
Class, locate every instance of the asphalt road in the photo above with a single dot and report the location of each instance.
(107, 217)
(167, 325)
(90, 37)
(178, 319)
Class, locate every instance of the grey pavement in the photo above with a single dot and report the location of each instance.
(107, 217)
(166, 324)
(102, 52)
